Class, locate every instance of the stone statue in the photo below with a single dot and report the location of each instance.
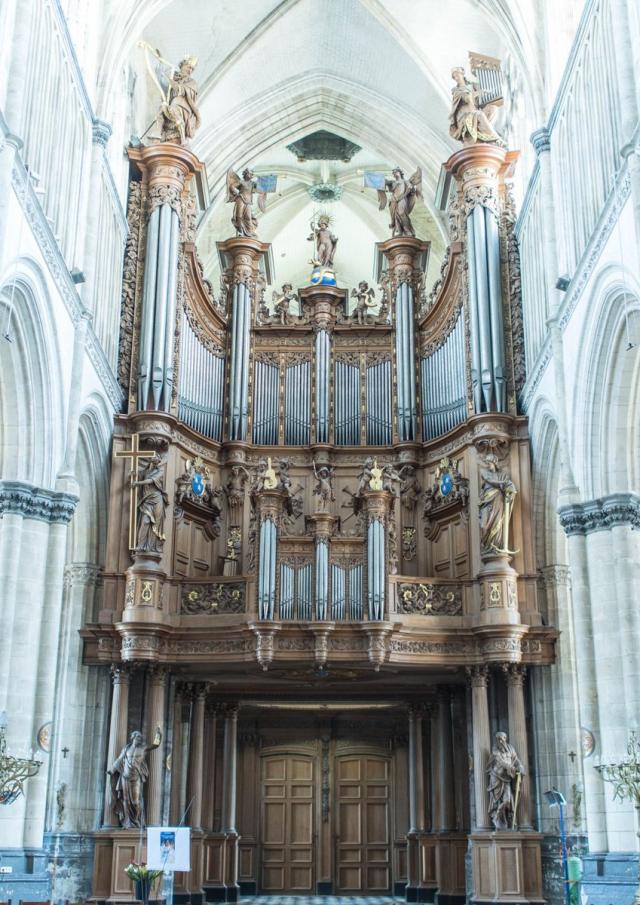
(505, 771)
(235, 484)
(325, 242)
(389, 477)
(179, 116)
(469, 121)
(403, 194)
(128, 774)
(324, 487)
(365, 476)
(240, 193)
(497, 496)
(364, 296)
(282, 303)
(152, 506)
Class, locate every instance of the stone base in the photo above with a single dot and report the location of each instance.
(610, 877)
(507, 868)
(27, 877)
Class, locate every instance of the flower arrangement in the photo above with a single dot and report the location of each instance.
(143, 879)
(139, 871)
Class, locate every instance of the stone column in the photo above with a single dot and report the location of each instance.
(209, 798)
(121, 677)
(444, 818)
(230, 770)
(196, 756)
(479, 676)
(515, 675)
(176, 758)
(156, 720)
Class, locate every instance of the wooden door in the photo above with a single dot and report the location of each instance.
(363, 850)
(288, 821)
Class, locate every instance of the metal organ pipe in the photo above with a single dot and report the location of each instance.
(444, 396)
(322, 386)
(474, 317)
(148, 304)
(495, 310)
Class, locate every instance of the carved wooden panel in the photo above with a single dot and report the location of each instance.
(363, 850)
(194, 550)
(448, 553)
(288, 821)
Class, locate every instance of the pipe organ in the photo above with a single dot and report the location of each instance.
(321, 495)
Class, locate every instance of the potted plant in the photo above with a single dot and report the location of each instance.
(143, 879)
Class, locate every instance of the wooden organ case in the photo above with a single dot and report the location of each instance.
(324, 660)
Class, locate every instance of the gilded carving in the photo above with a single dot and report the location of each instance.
(429, 600)
(214, 599)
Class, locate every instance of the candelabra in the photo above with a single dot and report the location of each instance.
(14, 771)
(625, 779)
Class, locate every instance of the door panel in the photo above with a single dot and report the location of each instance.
(363, 851)
(288, 820)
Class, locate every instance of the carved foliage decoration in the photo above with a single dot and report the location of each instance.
(214, 599)
(129, 282)
(429, 600)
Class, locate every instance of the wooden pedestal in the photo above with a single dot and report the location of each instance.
(507, 868)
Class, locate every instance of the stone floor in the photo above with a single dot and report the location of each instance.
(319, 900)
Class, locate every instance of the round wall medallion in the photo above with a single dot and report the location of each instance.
(43, 738)
(588, 742)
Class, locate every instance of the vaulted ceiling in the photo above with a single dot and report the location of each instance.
(375, 72)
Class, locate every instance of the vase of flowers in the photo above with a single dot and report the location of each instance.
(143, 879)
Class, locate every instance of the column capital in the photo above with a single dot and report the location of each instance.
(541, 140)
(478, 676)
(514, 673)
(120, 673)
(158, 674)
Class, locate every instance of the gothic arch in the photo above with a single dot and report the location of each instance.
(606, 419)
(31, 391)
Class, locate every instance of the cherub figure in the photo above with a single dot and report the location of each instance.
(376, 480)
(325, 241)
(179, 117)
(240, 193)
(282, 303)
(364, 296)
(403, 194)
(324, 487)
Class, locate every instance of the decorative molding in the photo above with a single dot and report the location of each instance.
(601, 515)
(214, 599)
(429, 600)
(51, 506)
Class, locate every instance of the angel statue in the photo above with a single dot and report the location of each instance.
(403, 198)
(240, 193)
(178, 118)
(282, 303)
(323, 489)
(364, 296)
(325, 241)
(470, 121)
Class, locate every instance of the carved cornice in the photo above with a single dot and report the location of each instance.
(601, 514)
(36, 503)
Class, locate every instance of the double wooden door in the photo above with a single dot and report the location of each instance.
(360, 818)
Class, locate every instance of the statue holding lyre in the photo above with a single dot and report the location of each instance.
(497, 497)
(179, 117)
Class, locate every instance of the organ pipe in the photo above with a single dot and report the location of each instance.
(200, 384)
(442, 374)
(405, 358)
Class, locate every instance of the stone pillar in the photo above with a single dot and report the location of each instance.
(196, 756)
(230, 770)
(156, 720)
(444, 818)
(322, 302)
(479, 676)
(176, 758)
(167, 171)
(241, 256)
(404, 257)
(515, 675)
(120, 676)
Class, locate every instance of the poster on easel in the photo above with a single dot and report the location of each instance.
(169, 848)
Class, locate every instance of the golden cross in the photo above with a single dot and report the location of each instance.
(134, 454)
